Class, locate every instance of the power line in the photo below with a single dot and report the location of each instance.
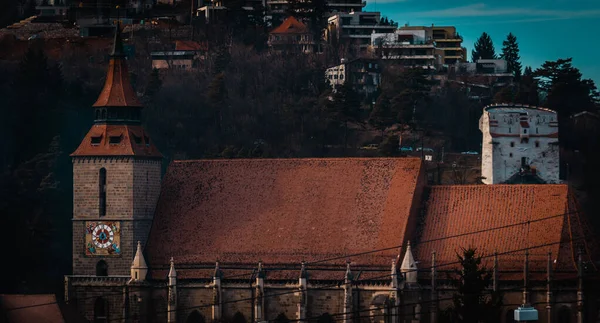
(380, 250)
(353, 282)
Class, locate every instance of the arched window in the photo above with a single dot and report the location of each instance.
(238, 318)
(102, 192)
(101, 268)
(564, 315)
(97, 114)
(100, 310)
(510, 316)
(104, 114)
(195, 317)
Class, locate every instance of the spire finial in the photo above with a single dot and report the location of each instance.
(348, 271)
(118, 42)
(172, 272)
(303, 273)
(218, 273)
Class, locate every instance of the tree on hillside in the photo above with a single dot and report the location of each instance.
(410, 93)
(565, 90)
(510, 53)
(527, 71)
(484, 48)
(345, 107)
(382, 115)
(471, 303)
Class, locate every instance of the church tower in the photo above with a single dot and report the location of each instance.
(116, 179)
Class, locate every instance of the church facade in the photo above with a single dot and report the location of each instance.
(298, 240)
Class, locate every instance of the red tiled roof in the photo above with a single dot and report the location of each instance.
(132, 143)
(291, 26)
(117, 91)
(284, 210)
(33, 310)
(455, 210)
(190, 45)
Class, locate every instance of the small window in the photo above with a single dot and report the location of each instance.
(137, 140)
(509, 130)
(113, 140)
(544, 154)
(341, 76)
(537, 144)
(512, 143)
(524, 140)
(101, 268)
(524, 130)
(96, 140)
(335, 77)
(510, 155)
(537, 130)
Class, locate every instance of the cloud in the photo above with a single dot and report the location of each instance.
(482, 10)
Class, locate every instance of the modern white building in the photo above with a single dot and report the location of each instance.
(357, 27)
(520, 144)
(407, 47)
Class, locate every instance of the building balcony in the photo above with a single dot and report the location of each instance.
(408, 45)
(345, 4)
(449, 40)
(450, 48)
(376, 26)
(277, 2)
(357, 36)
(454, 56)
(410, 56)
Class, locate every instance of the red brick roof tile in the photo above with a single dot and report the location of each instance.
(291, 26)
(283, 210)
(34, 310)
(456, 210)
(134, 142)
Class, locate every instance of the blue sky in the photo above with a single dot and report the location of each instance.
(545, 29)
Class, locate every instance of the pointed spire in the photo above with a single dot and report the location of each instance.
(409, 265)
(138, 261)
(394, 268)
(348, 276)
(117, 43)
(303, 273)
(139, 269)
(218, 273)
(260, 271)
(172, 272)
(117, 90)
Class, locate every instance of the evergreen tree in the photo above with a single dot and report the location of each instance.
(345, 107)
(484, 48)
(382, 116)
(472, 280)
(510, 53)
(528, 71)
(566, 92)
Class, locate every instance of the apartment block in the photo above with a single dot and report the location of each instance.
(363, 73)
(448, 42)
(357, 27)
(410, 48)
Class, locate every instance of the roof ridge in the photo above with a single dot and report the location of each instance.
(291, 159)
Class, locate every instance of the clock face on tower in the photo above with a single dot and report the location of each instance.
(103, 238)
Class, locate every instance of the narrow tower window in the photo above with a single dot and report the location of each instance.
(102, 192)
(101, 268)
